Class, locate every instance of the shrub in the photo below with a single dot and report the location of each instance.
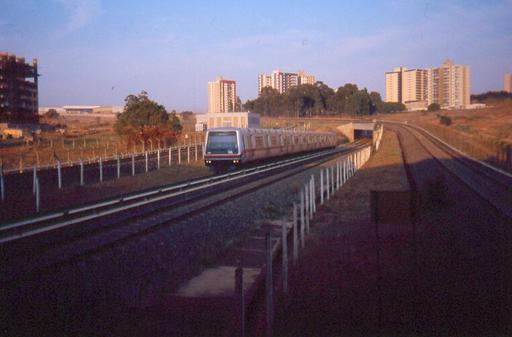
(445, 120)
(434, 107)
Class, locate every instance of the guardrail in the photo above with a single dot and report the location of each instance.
(144, 198)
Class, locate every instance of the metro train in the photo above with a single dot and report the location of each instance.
(231, 147)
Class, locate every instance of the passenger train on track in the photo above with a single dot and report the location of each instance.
(231, 147)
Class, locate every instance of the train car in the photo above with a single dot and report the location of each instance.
(231, 147)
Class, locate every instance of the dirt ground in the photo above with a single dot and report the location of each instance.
(443, 274)
(78, 195)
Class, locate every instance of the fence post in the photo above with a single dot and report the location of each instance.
(284, 244)
(268, 285)
(328, 188)
(101, 169)
(133, 164)
(321, 187)
(2, 184)
(295, 236)
(170, 156)
(34, 178)
(147, 164)
(239, 292)
(195, 151)
(81, 172)
(118, 167)
(179, 154)
(158, 159)
(21, 164)
(302, 220)
(333, 183)
(188, 154)
(59, 174)
(306, 195)
(313, 197)
(38, 196)
(337, 175)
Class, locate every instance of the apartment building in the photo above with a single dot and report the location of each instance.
(221, 95)
(282, 81)
(18, 89)
(507, 83)
(448, 85)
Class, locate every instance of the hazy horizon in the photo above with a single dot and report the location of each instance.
(93, 52)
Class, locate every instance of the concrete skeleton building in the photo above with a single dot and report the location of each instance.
(222, 95)
(448, 85)
(18, 89)
(507, 83)
(282, 82)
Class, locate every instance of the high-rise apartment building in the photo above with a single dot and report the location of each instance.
(305, 78)
(507, 83)
(18, 89)
(414, 85)
(282, 82)
(449, 85)
(221, 95)
(394, 85)
(454, 85)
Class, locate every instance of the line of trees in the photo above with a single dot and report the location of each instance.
(320, 100)
(491, 95)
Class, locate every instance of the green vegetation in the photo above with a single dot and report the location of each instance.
(51, 114)
(143, 120)
(445, 120)
(434, 107)
(319, 100)
(491, 95)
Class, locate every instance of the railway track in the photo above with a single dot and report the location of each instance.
(493, 186)
(69, 235)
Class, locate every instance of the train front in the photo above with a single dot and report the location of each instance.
(222, 149)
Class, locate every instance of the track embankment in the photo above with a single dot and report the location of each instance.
(445, 271)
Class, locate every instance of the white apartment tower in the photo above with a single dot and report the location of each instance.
(282, 82)
(449, 85)
(221, 95)
(507, 83)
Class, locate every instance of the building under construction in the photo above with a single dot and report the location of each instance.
(18, 89)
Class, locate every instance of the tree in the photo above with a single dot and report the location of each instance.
(143, 119)
(434, 107)
(51, 114)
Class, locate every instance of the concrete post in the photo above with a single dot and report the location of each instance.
(81, 172)
(34, 178)
(269, 285)
(38, 196)
(321, 187)
(147, 161)
(2, 184)
(188, 154)
(101, 170)
(284, 245)
(133, 164)
(195, 151)
(179, 155)
(170, 156)
(158, 159)
(311, 197)
(118, 167)
(21, 164)
(337, 175)
(239, 291)
(295, 236)
(327, 174)
(306, 195)
(59, 174)
(314, 192)
(302, 220)
(332, 181)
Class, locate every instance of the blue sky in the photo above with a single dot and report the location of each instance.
(98, 52)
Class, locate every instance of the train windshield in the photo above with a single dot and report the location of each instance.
(222, 142)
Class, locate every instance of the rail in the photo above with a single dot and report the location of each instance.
(144, 198)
